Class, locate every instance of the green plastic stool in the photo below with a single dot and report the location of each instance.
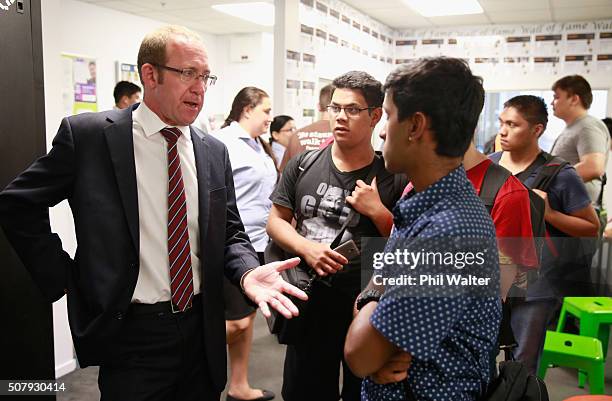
(595, 315)
(583, 353)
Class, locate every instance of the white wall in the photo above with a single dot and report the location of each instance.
(74, 27)
(233, 75)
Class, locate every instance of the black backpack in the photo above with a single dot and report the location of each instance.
(512, 384)
(515, 384)
(496, 176)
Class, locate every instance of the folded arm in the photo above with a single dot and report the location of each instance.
(366, 350)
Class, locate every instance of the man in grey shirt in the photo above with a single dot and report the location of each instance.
(585, 141)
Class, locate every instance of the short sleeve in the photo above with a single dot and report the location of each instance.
(592, 140)
(284, 193)
(568, 191)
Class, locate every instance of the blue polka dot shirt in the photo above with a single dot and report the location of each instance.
(450, 336)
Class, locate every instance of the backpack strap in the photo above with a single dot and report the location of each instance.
(493, 180)
(552, 166)
(310, 156)
(538, 162)
(307, 159)
(604, 180)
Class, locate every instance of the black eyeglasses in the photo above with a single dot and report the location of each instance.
(188, 75)
(351, 111)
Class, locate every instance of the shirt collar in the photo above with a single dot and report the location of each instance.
(238, 131)
(415, 204)
(151, 123)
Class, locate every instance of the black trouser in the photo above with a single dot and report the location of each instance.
(312, 366)
(157, 356)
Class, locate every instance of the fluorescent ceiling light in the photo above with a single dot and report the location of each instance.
(440, 8)
(258, 12)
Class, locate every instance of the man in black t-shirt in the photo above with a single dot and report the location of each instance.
(320, 200)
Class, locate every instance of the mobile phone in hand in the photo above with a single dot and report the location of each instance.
(348, 249)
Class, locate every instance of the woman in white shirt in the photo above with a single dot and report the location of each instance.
(281, 130)
(255, 174)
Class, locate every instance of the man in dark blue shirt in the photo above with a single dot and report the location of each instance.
(569, 216)
(448, 332)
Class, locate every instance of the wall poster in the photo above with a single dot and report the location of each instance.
(79, 91)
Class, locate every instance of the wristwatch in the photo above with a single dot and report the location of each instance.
(366, 297)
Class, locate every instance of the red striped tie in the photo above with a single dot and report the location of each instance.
(179, 251)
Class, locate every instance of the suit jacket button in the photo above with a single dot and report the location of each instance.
(119, 315)
(134, 265)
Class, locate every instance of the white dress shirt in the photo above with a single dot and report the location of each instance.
(150, 156)
(279, 151)
(254, 179)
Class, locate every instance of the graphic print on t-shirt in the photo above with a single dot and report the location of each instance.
(324, 213)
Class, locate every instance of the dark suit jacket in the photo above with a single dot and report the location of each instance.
(92, 165)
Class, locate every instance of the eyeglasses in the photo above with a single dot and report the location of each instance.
(351, 111)
(188, 75)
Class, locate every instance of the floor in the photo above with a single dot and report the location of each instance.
(266, 370)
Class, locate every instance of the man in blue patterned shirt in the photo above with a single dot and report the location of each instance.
(448, 333)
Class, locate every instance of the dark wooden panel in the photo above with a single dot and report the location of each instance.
(26, 339)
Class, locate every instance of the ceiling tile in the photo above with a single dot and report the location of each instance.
(168, 5)
(399, 22)
(164, 17)
(496, 6)
(171, 5)
(511, 17)
(369, 4)
(221, 27)
(582, 13)
(583, 3)
(204, 13)
(399, 18)
(125, 7)
(473, 19)
(208, 27)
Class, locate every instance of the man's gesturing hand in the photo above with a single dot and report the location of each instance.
(265, 286)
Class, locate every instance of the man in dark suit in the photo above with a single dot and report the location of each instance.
(157, 227)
